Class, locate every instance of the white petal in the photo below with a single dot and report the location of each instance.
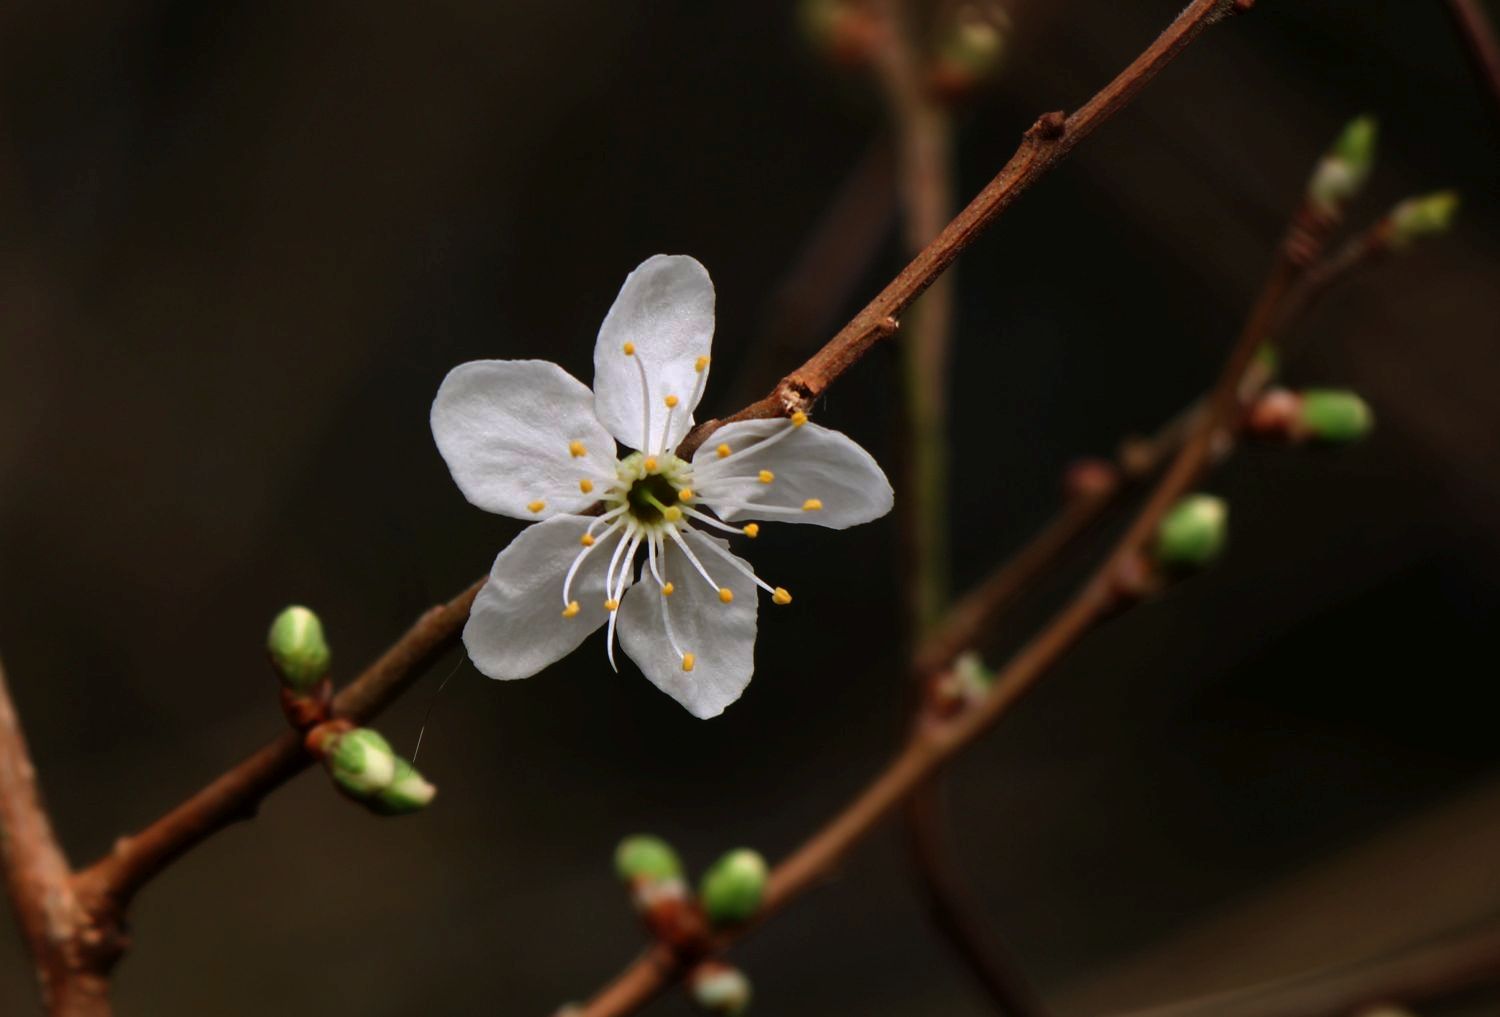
(505, 428)
(666, 309)
(721, 637)
(808, 462)
(516, 627)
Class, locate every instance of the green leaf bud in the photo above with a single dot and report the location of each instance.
(646, 857)
(1422, 216)
(361, 761)
(1192, 534)
(731, 889)
(408, 791)
(719, 988)
(1335, 415)
(299, 653)
(1345, 167)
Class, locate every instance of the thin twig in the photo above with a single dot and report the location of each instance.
(1484, 47)
(1425, 974)
(39, 881)
(109, 883)
(1044, 143)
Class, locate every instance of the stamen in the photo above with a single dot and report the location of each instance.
(571, 610)
(780, 596)
(686, 494)
(746, 569)
(726, 595)
(752, 530)
(618, 591)
(812, 505)
(586, 540)
(688, 660)
(629, 349)
(671, 402)
(671, 513)
(767, 442)
(588, 545)
(586, 485)
(682, 546)
(640, 366)
(666, 589)
(711, 521)
(666, 427)
(536, 506)
(723, 451)
(799, 418)
(754, 507)
(650, 464)
(700, 364)
(765, 476)
(576, 449)
(611, 605)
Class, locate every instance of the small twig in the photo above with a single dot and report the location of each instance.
(1422, 975)
(108, 885)
(1045, 142)
(1484, 47)
(56, 927)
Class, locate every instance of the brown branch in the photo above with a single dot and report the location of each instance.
(39, 882)
(1425, 974)
(1044, 143)
(108, 885)
(1484, 46)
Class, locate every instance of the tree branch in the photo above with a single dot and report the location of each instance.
(1044, 143)
(39, 882)
(1484, 47)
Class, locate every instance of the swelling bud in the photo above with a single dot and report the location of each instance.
(1345, 167)
(1423, 216)
(408, 791)
(1334, 415)
(644, 857)
(1193, 533)
(299, 653)
(361, 762)
(732, 888)
(719, 988)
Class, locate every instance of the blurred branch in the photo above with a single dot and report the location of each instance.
(39, 881)
(1422, 975)
(1044, 143)
(1484, 47)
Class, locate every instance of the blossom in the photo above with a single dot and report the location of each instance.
(525, 439)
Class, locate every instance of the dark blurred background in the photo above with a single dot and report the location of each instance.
(241, 243)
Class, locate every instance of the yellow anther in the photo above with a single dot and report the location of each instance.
(586, 540)
(536, 506)
(811, 505)
(671, 402)
(576, 449)
(766, 476)
(572, 609)
(688, 660)
(629, 349)
(650, 464)
(700, 364)
(723, 451)
(752, 530)
(611, 604)
(799, 418)
(780, 596)
(671, 513)
(586, 485)
(666, 589)
(725, 594)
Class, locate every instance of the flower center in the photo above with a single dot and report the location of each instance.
(652, 491)
(649, 496)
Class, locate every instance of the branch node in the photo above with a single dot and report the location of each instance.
(1049, 126)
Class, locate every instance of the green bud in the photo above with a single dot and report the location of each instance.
(362, 762)
(646, 857)
(976, 40)
(1345, 167)
(408, 791)
(719, 988)
(973, 677)
(731, 889)
(1335, 415)
(299, 653)
(1192, 534)
(1422, 216)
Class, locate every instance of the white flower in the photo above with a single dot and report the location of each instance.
(525, 439)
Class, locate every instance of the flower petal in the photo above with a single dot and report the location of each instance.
(517, 627)
(720, 636)
(665, 311)
(806, 464)
(519, 436)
